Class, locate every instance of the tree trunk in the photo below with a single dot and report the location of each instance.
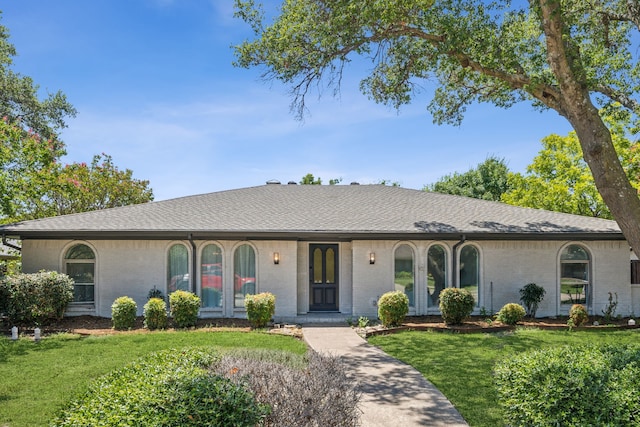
(608, 175)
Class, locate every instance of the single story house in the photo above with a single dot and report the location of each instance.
(331, 252)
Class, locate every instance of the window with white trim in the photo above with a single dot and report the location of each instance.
(80, 265)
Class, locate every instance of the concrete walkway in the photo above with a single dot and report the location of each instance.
(393, 393)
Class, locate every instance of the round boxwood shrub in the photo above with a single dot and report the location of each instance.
(155, 314)
(123, 313)
(184, 308)
(571, 386)
(578, 315)
(260, 308)
(392, 308)
(456, 305)
(511, 314)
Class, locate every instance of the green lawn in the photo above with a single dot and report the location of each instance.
(461, 365)
(36, 379)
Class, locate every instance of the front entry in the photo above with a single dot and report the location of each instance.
(323, 277)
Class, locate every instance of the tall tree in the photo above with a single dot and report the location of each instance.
(558, 178)
(487, 181)
(572, 56)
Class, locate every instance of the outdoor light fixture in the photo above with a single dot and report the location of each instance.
(14, 333)
(276, 257)
(36, 334)
(372, 258)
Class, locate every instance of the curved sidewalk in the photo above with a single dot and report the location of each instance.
(393, 393)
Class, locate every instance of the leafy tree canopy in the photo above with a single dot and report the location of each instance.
(309, 179)
(577, 57)
(488, 181)
(559, 179)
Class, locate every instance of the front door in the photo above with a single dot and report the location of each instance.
(323, 277)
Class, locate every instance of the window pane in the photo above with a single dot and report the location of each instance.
(244, 269)
(211, 276)
(404, 272)
(178, 269)
(574, 252)
(436, 273)
(470, 271)
(80, 252)
(317, 265)
(83, 277)
(331, 266)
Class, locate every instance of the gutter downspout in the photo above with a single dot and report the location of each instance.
(10, 245)
(454, 261)
(193, 262)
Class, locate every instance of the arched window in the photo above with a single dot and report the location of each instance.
(403, 278)
(436, 273)
(80, 265)
(470, 271)
(178, 269)
(244, 273)
(211, 276)
(575, 276)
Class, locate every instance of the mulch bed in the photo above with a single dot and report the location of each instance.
(478, 324)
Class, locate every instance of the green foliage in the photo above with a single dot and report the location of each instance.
(559, 179)
(184, 308)
(456, 305)
(363, 322)
(309, 179)
(260, 308)
(571, 386)
(392, 308)
(167, 388)
(488, 181)
(531, 296)
(123, 313)
(155, 314)
(35, 298)
(578, 315)
(511, 314)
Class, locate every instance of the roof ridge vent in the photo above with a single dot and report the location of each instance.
(273, 182)
(355, 183)
(292, 183)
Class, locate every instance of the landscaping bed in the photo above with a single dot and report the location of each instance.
(480, 324)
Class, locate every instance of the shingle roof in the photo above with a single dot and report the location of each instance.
(315, 211)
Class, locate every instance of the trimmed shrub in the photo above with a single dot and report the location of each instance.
(571, 386)
(155, 314)
(260, 308)
(578, 315)
(456, 305)
(316, 392)
(167, 388)
(531, 296)
(184, 308)
(392, 308)
(36, 298)
(511, 314)
(123, 313)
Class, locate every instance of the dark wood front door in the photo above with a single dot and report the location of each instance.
(323, 277)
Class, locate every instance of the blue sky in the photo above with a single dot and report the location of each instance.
(154, 86)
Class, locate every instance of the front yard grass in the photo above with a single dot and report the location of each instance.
(461, 365)
(36, 379)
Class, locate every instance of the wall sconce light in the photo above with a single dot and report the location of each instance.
(372, 258)
(276, 257)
